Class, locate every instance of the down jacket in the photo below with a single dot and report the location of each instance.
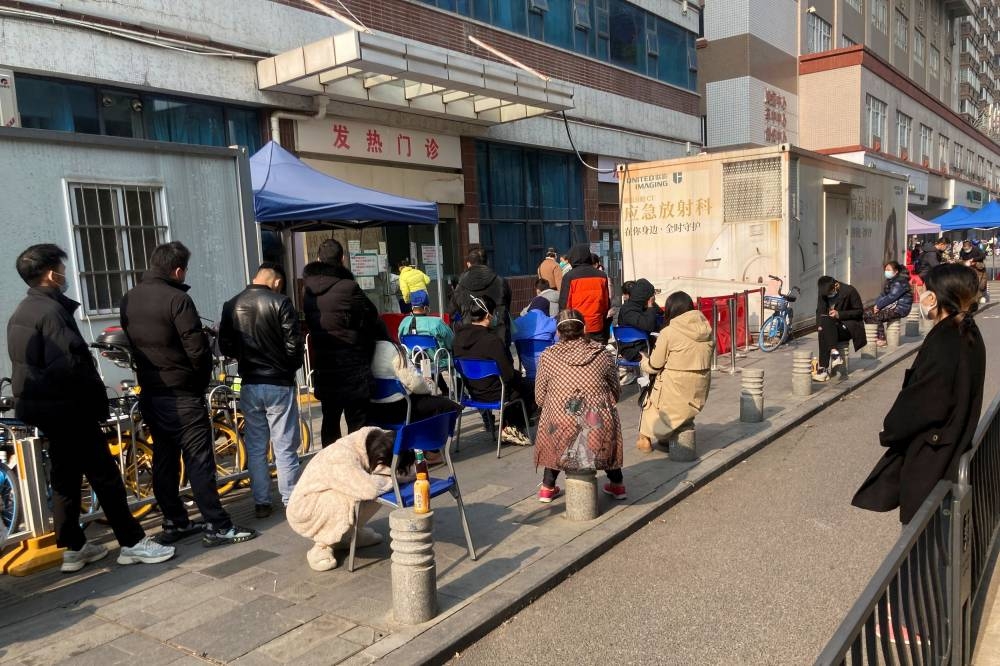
(336, 480)
(682, 362)
(585, 288)
(897, 290)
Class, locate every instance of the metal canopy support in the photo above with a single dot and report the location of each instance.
(437, 262)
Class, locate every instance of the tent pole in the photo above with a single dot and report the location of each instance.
(437, 262)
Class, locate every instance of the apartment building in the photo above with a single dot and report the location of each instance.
(979, 63)
(874, 82)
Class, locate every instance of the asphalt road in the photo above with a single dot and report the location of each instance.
(758, 567)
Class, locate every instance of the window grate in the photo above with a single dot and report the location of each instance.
(752, 190)
(116, 228)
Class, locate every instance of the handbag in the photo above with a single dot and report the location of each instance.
(578, 457)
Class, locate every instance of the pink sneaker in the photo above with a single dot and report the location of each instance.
(616, 490)
(546, 495)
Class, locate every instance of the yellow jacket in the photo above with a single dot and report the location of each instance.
(410, 280)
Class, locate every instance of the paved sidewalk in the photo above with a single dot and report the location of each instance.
(259, 603)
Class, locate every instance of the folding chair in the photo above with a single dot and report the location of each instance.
(431, 434)
(528, 352)
(427, 346)
(383, 389)
(625, 335)
(474, 369)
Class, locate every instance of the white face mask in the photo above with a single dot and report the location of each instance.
(889, 275)
(925, 308)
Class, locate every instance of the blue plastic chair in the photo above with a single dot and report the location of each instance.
(625, 335)
(528, 352)
(430, 434)
(474, 369)
(383, 389)
(427, 345)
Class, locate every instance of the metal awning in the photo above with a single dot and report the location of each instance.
(395, 73)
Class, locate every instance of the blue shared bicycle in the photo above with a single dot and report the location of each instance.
(776, 328)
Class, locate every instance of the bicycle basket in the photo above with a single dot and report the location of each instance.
(777, 303)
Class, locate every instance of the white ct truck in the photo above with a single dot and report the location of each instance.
(718, 223)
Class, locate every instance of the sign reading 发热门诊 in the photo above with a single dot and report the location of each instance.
(359, 139)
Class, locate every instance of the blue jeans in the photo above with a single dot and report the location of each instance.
(271, 412)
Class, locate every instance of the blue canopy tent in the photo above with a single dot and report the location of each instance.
(954, 215)
(289, 195)
(987, 217)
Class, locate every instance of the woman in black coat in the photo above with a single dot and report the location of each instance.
(934, 418)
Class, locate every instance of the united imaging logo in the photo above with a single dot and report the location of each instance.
(678, 177)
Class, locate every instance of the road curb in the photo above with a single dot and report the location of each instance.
(441, 641)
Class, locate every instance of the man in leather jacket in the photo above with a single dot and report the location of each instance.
(260, 329)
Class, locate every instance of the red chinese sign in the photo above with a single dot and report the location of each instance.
(775, 117)
(353, 138)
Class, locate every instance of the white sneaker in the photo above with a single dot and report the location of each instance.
(512, 435)
(982, 299)
(368, 537)
(835, 361)
(643, 381)
(628, 378)
(820, 376)
(74, 560)
(146, 551)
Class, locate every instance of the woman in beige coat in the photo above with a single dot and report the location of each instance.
(682, 362)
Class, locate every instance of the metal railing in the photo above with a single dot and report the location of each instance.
(924, 604)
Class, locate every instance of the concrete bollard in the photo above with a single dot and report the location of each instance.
(752, 395)
(845, 354)
(581, 495)
(683, 444)
(414, 574)
(802, 372)
(892, 330)
(870, 350)
(913, 322)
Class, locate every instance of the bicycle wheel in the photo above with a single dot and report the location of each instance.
(10, 503)
(230, 456)
(772, 333)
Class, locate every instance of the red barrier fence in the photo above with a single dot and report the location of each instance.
(717, 310)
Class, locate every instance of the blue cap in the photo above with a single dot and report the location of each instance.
(419, 299)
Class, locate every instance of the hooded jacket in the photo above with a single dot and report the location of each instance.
(635, 314)
(473, 341)
(477, 281)
(897, 290)
(546, 302)
(410, 280)
(53, 373)
(585, 288)
(682, 362)
(577, 388)
(343, 325)
(171, 350)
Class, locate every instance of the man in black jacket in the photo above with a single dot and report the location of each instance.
(839, 318)
(930, 256)
(641, 312)
(174, 363)
(342, 325)
(480, 280)
(260, 329)
(58, 390)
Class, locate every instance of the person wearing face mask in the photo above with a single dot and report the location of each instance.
(476, 340)
(57, 389)
(260, 329)
(895, 302)
(934, 417)
(839, 313)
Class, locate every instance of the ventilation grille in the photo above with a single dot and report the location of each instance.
(752, 190)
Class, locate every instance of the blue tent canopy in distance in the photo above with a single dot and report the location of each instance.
(289, 194)
(987, 217)
(954, 215)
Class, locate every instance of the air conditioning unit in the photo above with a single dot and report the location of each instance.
(8, 100)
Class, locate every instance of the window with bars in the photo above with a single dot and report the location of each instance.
(116, 228)
(880, 16)
(818, 37)
(934, 62)
(926, 144)
(902, 30)
(918, 48)
(903, 125)
(856, 4)
(877, 115)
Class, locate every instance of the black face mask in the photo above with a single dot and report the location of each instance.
(833, 294)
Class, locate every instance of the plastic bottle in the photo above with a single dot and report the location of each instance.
(421, 487)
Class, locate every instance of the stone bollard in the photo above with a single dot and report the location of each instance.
(683, 446)
(913, 322)
(870, 350)
(845, 354)
(752, 396)
(581, 495)
(414, 574)
(802, 383)
(892, 332)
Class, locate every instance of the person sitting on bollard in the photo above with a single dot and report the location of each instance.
(339, 480)
(477, 340)
(933, 420)
(895, 302)
(682, 363)
(579, 428)
(640, 312)
(839, 312)
(546, 299)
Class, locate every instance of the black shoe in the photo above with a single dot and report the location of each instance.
(261, 511)
(172, 533)
(234, 534)
(489, 419)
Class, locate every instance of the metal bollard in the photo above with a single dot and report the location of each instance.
(682, 446)
(913, 322)
(892, 334)
(845, 354)
(802, 372)
(731, 304)
(870, 350)
(581, 495)
(715, 336)
(414, 573)
(752, 395)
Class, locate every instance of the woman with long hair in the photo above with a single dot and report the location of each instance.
(579, 428)
(934, 417)
(682, 363)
